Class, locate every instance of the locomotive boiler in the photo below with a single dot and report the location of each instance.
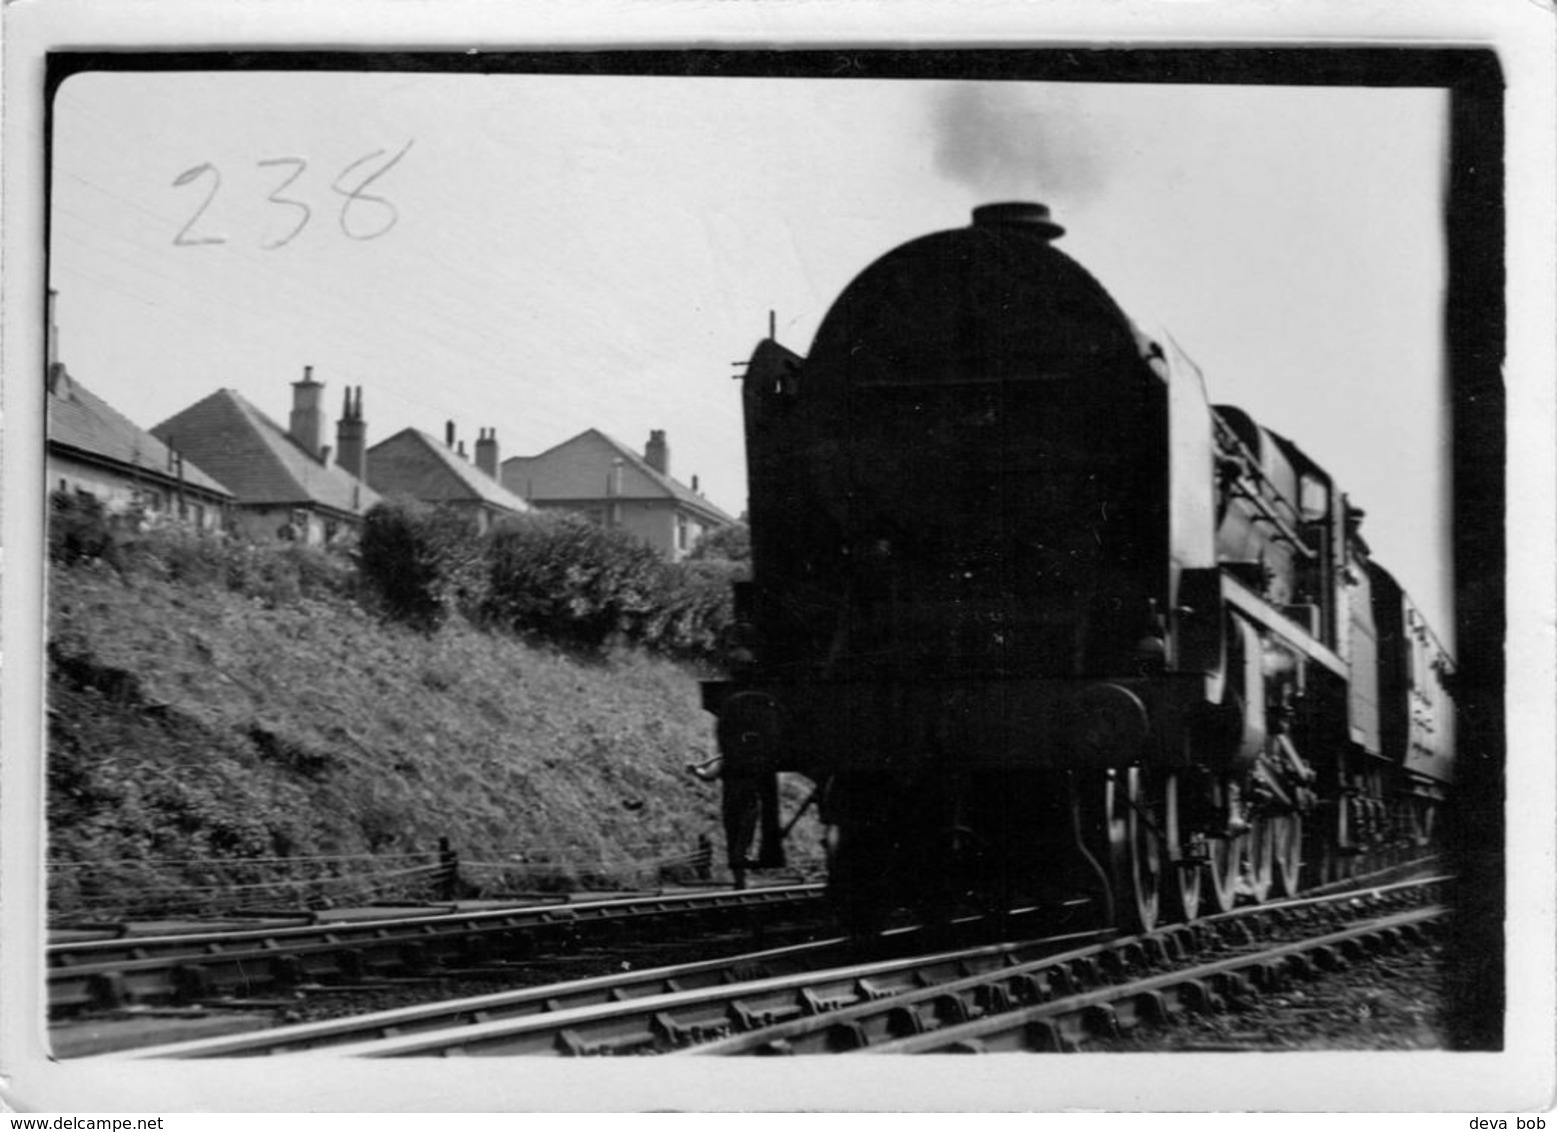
(1038, 619)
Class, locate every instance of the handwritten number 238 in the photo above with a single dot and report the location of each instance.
(363, 215)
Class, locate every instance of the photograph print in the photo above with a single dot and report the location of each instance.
(750, 553)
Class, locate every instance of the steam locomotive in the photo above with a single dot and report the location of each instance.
(1036, 618)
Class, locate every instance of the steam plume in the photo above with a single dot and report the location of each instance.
(1005, 140)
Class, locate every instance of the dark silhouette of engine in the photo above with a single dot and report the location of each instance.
(1037, 619)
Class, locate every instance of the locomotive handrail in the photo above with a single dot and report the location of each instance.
(1248, 462)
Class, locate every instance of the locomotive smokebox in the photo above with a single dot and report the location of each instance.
(1018, 213)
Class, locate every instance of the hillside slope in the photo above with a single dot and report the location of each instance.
(193, 728)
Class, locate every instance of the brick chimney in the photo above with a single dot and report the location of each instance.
(657, 452)
(351, 434)
(53, 341)
(307, 423)
(486, 452)
(54, 369)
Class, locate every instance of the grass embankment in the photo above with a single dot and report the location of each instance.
(198, 733)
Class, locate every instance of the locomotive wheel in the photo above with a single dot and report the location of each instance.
(1135, 848)
(1259, 863)
(1286, 853)
(1181, 888)
(1220, 890)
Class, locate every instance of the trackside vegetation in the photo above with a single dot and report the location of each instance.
(234, 726)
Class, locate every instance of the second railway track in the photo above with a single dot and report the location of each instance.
(171, 968)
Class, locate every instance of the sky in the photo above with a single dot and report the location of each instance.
(546, 254)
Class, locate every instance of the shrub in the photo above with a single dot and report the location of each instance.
(727, 544)
(693, 610)
(80, 529)
(424, 562)
(560, 576)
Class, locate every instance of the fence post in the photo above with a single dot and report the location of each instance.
(448, 869)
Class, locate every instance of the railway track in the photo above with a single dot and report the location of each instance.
(1048, 993)
(1091, 994)
(110, 973)
(810, 969)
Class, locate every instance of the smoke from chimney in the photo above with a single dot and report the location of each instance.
(1007, 141)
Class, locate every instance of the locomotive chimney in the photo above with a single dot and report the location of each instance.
(1018, 214)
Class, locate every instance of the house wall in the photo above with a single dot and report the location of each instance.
(484, 514)
(650, 521)
(671, 530)
(579, 469)
(267, 524)
(119, 493)
(403, 466)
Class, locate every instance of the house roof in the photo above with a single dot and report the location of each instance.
(667, 486)
(257, 458)
(83, 422)
(414, 463)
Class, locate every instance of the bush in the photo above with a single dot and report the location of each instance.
(425, 562)
(134, 543)
(80, 529)
(727, 544)
(694, 610)
(552, 575)
(560, 576)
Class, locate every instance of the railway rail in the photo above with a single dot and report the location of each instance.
(1066, 1024)
(107, 973)
(790, 1001)
(1089, 994)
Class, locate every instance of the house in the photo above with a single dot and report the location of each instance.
(618, 487)
(283, 482)
(412, 463)
(93, 449)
